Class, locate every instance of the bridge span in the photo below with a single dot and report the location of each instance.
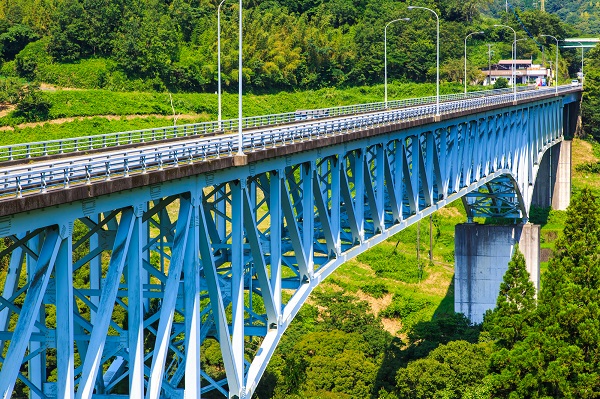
(122, 260)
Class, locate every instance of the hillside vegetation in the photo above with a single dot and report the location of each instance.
(288, 44)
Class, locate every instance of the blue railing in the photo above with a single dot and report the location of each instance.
(62, 173)
(102, 141)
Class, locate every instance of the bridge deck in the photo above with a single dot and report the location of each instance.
(47, 182)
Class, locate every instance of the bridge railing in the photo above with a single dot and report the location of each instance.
(24, 179)
(87, 143)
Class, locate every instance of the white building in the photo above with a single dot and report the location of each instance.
(526, 72)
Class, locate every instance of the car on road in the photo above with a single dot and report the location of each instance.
(575, 82)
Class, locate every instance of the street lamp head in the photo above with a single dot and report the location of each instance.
(480, 33)
(405, 19)
(410, 7)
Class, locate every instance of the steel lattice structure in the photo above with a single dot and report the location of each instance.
(118, 292)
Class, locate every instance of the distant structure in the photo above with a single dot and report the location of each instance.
(526, 73)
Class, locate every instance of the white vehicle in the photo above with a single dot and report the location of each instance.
(575, 82)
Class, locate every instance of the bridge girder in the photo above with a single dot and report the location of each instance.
(119, 293)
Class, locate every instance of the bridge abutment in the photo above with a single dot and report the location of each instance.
(553, 183)
(482, 253)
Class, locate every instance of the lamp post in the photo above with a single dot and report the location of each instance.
(556, 67)
(581, 44)
(219, 59)
(514, 80)
(489, 64)
(385, 56)
(437, 59)
(466, 37)
(240, 141)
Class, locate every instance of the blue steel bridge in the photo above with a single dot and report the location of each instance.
(125, 252)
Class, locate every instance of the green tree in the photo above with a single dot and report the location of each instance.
(147, 44)
(15, 39)
(500, 83)
(332, 361)
(590, 106)
(560, 356)
(448, 372)
(513, 315)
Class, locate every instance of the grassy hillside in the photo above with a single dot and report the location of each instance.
(74, 113)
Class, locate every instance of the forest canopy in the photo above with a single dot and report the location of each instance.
(288, 44)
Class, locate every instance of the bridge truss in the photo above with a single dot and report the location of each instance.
(117, 294)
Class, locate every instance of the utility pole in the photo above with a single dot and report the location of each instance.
(542, 5)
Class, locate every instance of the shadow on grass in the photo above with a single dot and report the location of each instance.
(444, 327)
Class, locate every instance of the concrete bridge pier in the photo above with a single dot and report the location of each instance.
(482, 253)
(553, 183)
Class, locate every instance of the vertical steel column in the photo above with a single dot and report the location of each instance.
(444, 153)
(455, 158)
(415, 162)
(191, 287)
(136, 276)
(398, 175)
(238, 190)
(167, 310)
(379, 186)
(65, 356)
(426, 168)
(334, 172)
(95, 268)
(308, 219)
(11, 284)
(37, 364)
(276, 221)
(359, 191)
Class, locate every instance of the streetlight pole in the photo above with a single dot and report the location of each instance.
(472, 33)
(219, 59)
(514, 79)
(581, 44)
(240, 140)
(385, 57)
(437, 58)
(556, 64)
(489, 64)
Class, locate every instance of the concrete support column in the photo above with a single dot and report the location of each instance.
(553, 183)
(482, 253)
(562, 188)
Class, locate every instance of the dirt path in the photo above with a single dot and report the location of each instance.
(109, 117)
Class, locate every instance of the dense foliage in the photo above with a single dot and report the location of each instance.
(288, 44)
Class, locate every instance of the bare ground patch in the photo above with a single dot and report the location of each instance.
(449, 211)
(6, 109)
(393, 326)
(60, 121)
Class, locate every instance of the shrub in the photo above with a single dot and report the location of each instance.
(11, 90)
(33, 106)
(588, 167)
(376, 290)
(33, 55)
(396, 266)
(501, 83)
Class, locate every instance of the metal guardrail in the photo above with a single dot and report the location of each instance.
(41, 177)
(87, 143)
